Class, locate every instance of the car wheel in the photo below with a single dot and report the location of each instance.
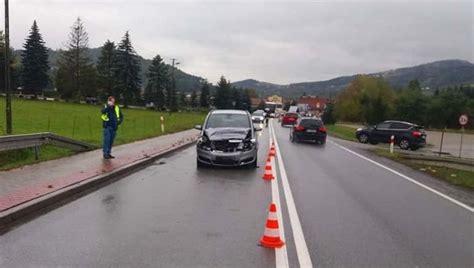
(253, 164)
(363, 138)
(404, 144)
(200, 164)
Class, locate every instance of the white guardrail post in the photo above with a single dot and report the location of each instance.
(392, 141)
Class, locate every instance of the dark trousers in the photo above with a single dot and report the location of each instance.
(109, 136)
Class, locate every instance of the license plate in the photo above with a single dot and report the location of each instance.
(311, 131)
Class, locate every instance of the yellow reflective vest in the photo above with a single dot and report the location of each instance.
(105, 116)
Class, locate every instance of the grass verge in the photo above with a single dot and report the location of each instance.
(82, 122)
(454, 176)
(342, 132)
(18, 158)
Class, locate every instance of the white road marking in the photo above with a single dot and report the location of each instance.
(407, 178)
(281, 254)
(302, 252)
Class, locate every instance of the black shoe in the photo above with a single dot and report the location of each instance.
(106, 156)
(111, 156)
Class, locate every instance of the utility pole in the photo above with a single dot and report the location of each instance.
(173, 82)
(8, 106)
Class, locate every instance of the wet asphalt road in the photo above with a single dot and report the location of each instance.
(353, 214)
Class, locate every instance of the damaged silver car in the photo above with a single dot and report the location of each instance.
(227, 139)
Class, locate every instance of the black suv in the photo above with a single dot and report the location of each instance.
(407, 135)
(308, 129)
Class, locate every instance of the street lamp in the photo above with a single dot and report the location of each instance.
(8, 106)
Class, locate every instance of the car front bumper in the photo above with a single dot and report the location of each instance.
(226, 159)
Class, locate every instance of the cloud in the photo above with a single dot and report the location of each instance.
(278, 42)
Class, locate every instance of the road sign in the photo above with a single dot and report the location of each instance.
(463, 119)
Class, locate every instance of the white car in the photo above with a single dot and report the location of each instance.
(258, 116)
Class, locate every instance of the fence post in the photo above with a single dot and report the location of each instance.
(90, 127)
(462, 136)
(441, 145)
(74, 127)
(49, 122)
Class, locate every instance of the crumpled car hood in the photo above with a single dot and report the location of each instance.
(215, 134)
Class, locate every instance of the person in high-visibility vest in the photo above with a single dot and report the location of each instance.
(111, 117)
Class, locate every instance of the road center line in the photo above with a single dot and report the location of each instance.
(304, 258)
(281, 254)
(407, 178)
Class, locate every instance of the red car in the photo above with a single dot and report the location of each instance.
(289, 119)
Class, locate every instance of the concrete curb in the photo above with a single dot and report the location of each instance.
(10, 216)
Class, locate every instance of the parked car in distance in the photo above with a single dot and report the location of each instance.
(258, 116)
(407, 135)
(289, 119)
(227, 138)
(308, 129)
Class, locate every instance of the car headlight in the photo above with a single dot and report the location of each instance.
(249, 144)
(204, 143)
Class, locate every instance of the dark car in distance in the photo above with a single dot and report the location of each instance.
(407, 135)
(227, 138)
(308, 129)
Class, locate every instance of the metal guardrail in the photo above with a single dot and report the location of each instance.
(35, 140)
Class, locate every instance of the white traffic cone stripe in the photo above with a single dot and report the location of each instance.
(271, 232)
(272, 216)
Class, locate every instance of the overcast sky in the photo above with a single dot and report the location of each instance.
(280, 42)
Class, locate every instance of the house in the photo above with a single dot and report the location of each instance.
(313, 103)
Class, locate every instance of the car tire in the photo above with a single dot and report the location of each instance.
(363, 138)
(253, 164)
(404, 144)
(200, 164)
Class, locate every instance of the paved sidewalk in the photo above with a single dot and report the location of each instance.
(21, 185)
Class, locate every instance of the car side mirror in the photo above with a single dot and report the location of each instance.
(198, 127)
(257, 129)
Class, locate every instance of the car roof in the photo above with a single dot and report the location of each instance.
(229, 112)
(396, 121)
(310, 118)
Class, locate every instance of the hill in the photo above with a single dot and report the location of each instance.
(184, 81)
(433, 75)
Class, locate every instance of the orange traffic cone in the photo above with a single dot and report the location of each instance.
(268, 175)
(271, 236)
(272, 150)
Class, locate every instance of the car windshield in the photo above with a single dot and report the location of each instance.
(257, 114)
(228, 120)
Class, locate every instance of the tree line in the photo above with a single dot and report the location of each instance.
(371, 100)
(77, 77)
